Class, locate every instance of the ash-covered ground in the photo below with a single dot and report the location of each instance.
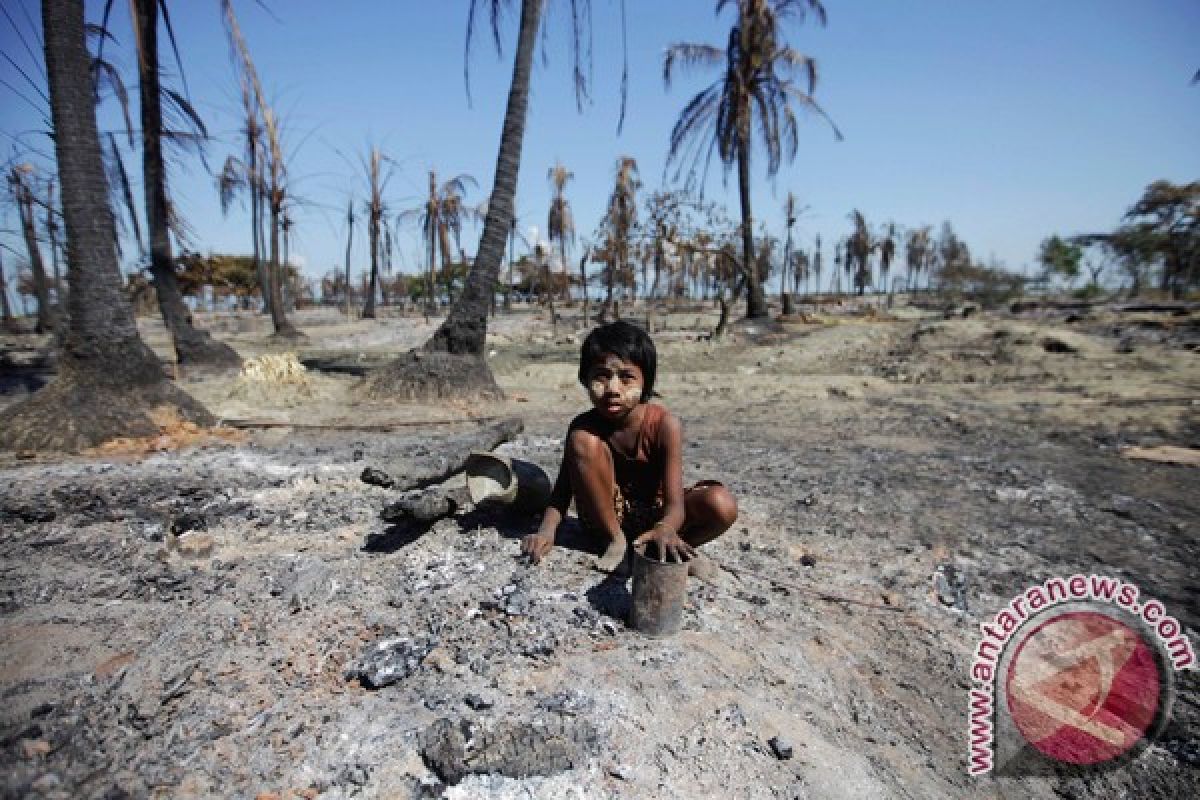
(208, 621)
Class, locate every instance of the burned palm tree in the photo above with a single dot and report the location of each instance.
(377, 179)
(440, 215)
(859, 248)
(620, 220)
(789, 213)
(21, 186)
(887, 253)
(817, 264)
(349, 243)
(264, 176)
(452, 214)
(756, 90)
(109, 382)
(193, 347)
(560, 224)
(276, 196)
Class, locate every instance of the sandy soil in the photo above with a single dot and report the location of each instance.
(179, 623)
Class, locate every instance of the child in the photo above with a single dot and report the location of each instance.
(623, 462)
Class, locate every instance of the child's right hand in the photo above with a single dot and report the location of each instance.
(537, 545)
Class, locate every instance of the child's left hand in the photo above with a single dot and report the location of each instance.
(666, 542)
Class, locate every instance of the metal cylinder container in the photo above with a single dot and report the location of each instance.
(659, 593)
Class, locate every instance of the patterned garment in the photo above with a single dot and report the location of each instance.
(635, 517)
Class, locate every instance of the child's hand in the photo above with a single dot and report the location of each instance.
(666, 543)
(537, 545)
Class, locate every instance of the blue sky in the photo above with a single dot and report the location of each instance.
(1012, 120)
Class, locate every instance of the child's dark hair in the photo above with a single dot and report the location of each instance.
(625, 341)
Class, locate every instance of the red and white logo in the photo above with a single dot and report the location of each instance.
(1078, 670)
(1083, 687)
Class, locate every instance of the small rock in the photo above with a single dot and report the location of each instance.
(189, 521)
(950, 586)
(569, 703)
(1052, 344)
(477, 703)
(386, 661)
(808, 560)
(845, 393)
(781, 747)
(375, 477)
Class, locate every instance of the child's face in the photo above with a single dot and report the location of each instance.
(615, 386)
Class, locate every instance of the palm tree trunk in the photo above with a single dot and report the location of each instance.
(447, 265)
(784, 298)
(6, 320)
(465, 328)
(52, 234)
(108, 379)
(45, 314)
(584, 283)
(255, 184)
(373, 286)
(430, 284)
(283, 327)
(756, 301)
(192, 346)
(512, 257)
(349, 241)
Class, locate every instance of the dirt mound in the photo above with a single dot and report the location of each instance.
(422, 375)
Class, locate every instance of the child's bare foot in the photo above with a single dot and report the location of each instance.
(704, 568)
(613, 555)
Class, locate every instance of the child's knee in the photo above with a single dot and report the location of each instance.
(723, 507)
(584, 447)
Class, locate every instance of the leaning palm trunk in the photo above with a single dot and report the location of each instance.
(24, 198)
(193, 347)
(464, 331)
(466, 326)
(8, 322)
(108, 381)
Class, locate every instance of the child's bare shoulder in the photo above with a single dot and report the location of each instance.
(589, 421)
(665, 415)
